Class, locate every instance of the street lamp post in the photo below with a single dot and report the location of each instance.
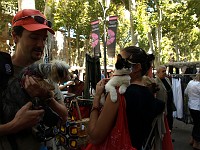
(104, 8)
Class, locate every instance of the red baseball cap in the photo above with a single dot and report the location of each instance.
(31, 20)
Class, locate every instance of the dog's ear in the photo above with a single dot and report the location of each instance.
(60, 72)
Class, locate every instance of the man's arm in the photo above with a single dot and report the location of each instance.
(59, 108)
(57, 103)
(24, 118)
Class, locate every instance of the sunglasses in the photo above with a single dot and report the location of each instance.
(38, 19)
(131, 62)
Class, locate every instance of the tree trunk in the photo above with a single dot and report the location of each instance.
(51, 40)
(177, 52)
(132, 10)
(77, 60)
(159, 32)
(150, 39)
(69, 47)
(23, 4)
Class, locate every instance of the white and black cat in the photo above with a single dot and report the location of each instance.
(120, 78)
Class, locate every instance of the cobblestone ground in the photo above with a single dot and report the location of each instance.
(181, 134)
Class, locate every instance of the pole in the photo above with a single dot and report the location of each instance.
(104, 42)
(104, 32)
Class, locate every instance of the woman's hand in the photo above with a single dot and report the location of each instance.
(101, 86)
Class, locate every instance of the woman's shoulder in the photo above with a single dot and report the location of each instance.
(135, 90)
(136, 87)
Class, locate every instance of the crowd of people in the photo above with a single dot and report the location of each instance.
(143, 103)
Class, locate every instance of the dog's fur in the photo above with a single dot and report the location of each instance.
(120, 78)
(15, 95)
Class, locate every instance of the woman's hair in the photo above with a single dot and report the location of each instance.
(18, 30)
(138, 55)
(197, 77)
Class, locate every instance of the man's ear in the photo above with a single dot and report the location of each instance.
(15, 37)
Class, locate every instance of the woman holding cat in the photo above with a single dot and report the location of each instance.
(141, 106)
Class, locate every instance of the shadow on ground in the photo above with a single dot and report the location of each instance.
(181, 134)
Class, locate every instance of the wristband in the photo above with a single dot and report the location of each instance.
(95, 108)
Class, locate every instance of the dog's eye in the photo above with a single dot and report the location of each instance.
(60, 72)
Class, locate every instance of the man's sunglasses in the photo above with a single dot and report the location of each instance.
(38, 19)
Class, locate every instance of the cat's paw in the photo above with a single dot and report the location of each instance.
(122, 89)
(113, 97)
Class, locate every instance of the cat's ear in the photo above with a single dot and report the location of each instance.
(119, 63)
(119, 57)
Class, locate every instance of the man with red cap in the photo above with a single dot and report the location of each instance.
(29, 32)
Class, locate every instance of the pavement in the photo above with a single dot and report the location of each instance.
(181, 133)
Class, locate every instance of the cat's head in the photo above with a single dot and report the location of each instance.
(122, 65)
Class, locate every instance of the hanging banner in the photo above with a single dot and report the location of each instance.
(111, 39)
(95, 38)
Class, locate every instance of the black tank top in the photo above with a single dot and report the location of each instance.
(141, 108)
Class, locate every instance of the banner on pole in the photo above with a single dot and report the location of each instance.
(95, 38)
(111, 39)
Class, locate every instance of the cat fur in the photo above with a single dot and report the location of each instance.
(119, 79)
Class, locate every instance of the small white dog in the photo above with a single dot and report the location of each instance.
(120, 79)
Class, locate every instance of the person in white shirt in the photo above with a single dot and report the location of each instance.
(193, 92)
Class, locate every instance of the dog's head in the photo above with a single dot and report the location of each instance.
(122, 65)
(57, 71)
(60, 71)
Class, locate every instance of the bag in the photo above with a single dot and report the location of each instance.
(119, 138)
(6, 69)
(167, 140)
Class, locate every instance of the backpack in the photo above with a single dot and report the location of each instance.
(6, 71)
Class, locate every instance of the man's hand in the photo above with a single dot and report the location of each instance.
(36, 88)
(26, 118)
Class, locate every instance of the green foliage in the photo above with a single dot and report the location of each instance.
(40, 5)
(179, 21)
(7, 8)
(180, 25)
(167, 51)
